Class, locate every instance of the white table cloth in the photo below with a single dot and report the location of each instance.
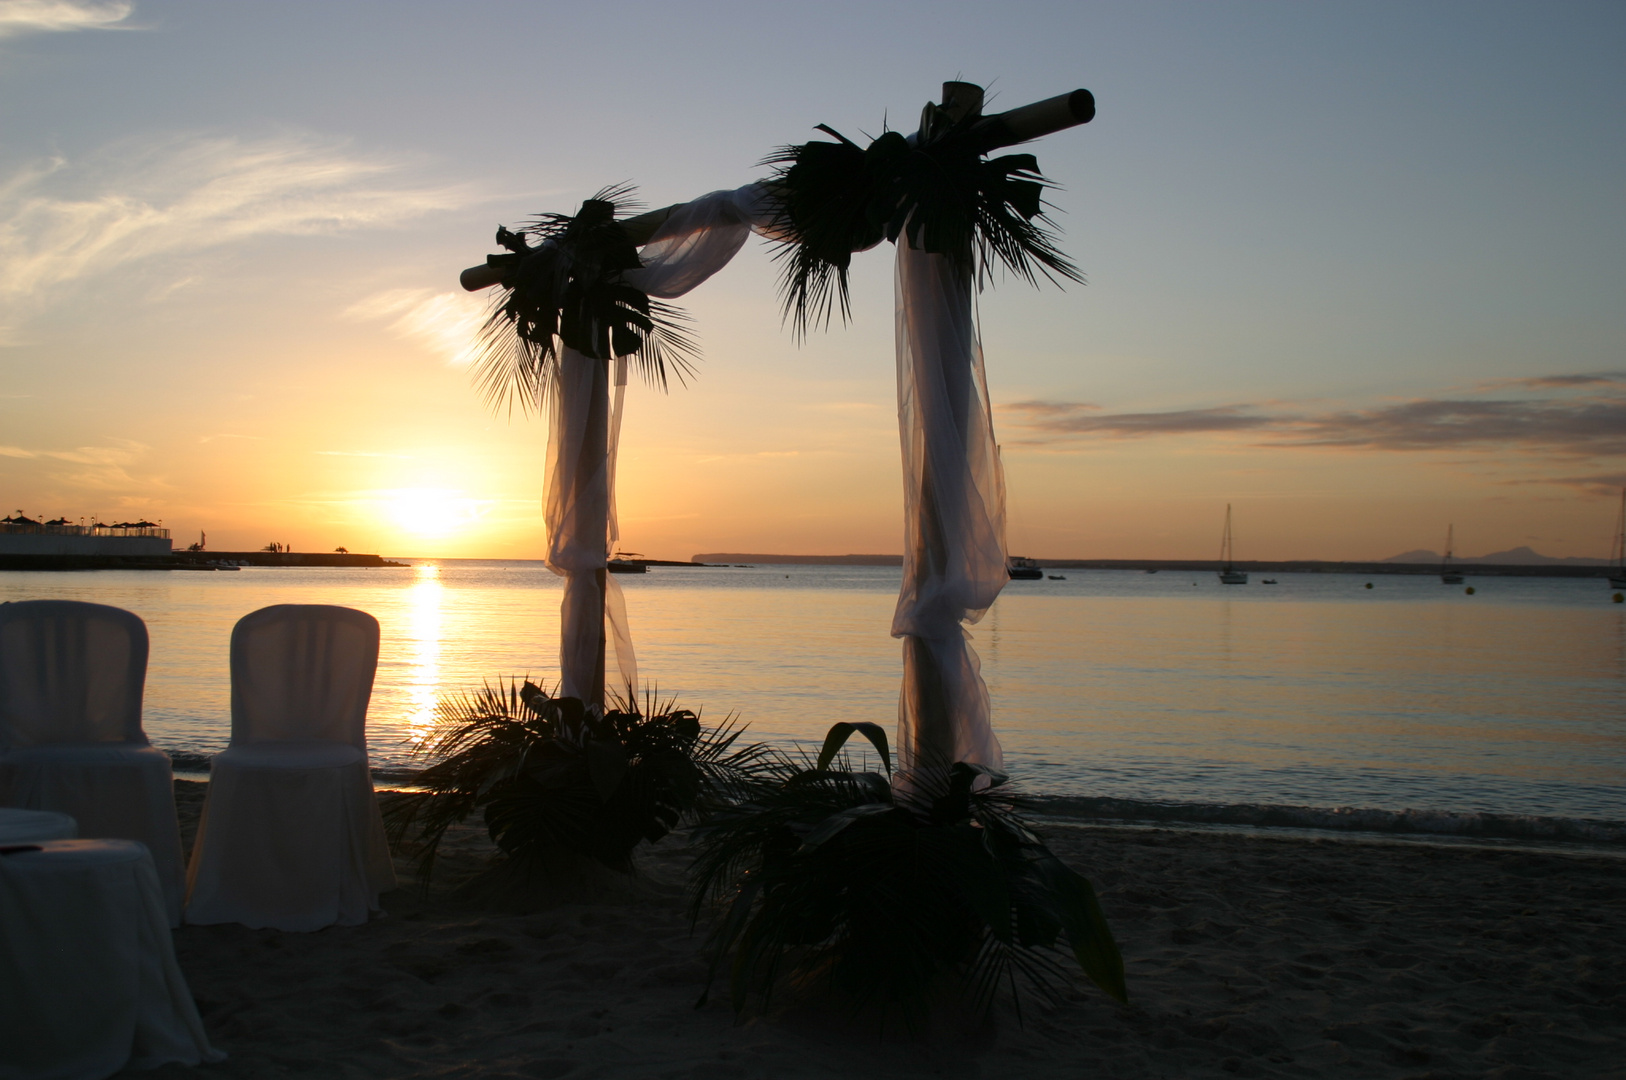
(32, 826)
(87, 967)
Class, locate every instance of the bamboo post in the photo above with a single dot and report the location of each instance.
(934, 727)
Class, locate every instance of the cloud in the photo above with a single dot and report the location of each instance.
(19, 17)
(1080, 418)
(1608, 484)
(447, 324)
(1586, 426)
(61, 221)
(1558, 382)
(103, 468)
(361, 453)
(1583, 428)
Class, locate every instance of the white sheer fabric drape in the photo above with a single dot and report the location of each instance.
(954, 517)
(697, 240)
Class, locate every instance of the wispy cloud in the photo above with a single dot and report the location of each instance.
(1582, 428)
(99, 468)
(362, 453)
(447, 324)
(61, 220)
(1068, 418)
(1558, 382)
(19, 17)
(1577, 425)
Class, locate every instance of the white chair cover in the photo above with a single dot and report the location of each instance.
(291, 836)
(71, 677)
(88, 979)
(32, 826)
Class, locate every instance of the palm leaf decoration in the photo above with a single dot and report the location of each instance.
(555, 779)
(568, 288)
(832, 878)
(940, 192)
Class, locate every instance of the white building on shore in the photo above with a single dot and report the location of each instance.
(23, 536)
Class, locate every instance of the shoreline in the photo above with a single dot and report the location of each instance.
(1543, 832)
(1247, 956)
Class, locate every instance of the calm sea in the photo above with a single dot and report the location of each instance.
(1315, 692)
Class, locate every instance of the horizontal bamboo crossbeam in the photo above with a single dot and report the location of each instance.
(992, 132)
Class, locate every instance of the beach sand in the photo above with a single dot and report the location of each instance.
(1246, 955)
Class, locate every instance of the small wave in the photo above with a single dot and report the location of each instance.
(1342, 818)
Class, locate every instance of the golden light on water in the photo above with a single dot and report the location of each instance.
(423, 671)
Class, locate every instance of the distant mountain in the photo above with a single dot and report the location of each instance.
(1519, 556)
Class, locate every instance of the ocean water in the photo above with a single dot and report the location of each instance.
(1313, 692)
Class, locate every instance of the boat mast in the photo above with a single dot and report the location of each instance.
(1225, 542)
(1446, 561)
(1620, 537)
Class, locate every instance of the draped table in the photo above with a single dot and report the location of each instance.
(32, 826)
(87, 967)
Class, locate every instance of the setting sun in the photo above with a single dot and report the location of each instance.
(432, 512)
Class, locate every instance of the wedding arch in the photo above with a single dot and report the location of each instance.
(584, 297)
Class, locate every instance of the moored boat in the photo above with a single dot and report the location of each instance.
(1449, 575)
(1617, 572)
(1023, 569)
(1229, 574)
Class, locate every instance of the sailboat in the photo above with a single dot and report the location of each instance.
(1617, 573)
(1448, 576)
(1228, 574)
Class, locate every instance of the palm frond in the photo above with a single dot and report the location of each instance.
(567, 290)
(823, 876)
(553, 777)
(938, 192)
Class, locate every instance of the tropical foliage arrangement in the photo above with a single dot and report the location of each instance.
(892, 896)
(569, 288)
(557, 781)
(940, 192)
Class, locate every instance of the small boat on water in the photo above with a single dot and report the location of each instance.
(1058, 577)
(1267, 581)
(1229, 574)
(1448, 575)
(1617, 573)
(627, 562)
(1023, 569)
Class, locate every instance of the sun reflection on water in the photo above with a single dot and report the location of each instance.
(423, 672)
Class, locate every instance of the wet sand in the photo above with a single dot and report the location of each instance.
(1247, 956)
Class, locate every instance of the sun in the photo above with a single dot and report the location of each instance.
(431, 512)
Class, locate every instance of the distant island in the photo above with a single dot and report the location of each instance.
(1516, 562)
(802, 560)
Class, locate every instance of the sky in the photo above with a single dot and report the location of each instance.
(1355, 269)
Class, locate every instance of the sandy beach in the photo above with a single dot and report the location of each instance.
(1247, 956)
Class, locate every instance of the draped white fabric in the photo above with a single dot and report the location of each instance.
(699, 239)
(30, 826)
(580, 517)
(291, 835)
(954, 516)
(71, 680)
(88, 978)
(696, 240)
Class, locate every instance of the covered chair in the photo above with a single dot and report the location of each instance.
(291, 836)
(71, 677)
